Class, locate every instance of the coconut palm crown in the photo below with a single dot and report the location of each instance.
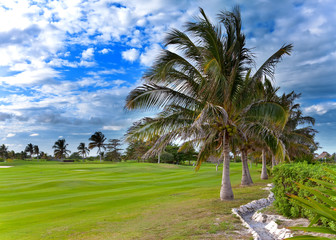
(30, 149)
(60, 149)
(83, 150)
(97, 141)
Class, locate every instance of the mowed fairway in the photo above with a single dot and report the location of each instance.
(118, 201)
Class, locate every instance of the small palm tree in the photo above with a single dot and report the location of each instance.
(30, 149)
(97, 141)
(83, 150)
(36, 151)
(3, 151)
(60, 150)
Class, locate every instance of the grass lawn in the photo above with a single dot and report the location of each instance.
(119, 201)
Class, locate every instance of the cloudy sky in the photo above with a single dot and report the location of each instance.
(67, 66)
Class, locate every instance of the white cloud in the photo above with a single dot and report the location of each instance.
(88, 54)
(30, 77)
(105, 51)
(112, 128)
(34, 135)
(118, 82)
(130, 55)
(10, 135)
(321, 108)
(147, 58)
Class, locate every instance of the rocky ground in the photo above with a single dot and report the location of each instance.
(261, 220)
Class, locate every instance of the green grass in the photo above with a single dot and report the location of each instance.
(118, 201)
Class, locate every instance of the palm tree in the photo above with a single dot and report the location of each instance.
(298, 133)
(36, 151)
(97, 141)
(3, 151)
(205, 92)
(30, 149)
(82, 149)
(60, 150)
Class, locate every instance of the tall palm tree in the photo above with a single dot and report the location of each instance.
(97, 141)
(30, 149)
(36, 151)
(60, 149)
(83, 150)
(202, 91)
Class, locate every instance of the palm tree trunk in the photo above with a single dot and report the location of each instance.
(274, 163)
(226, 189)
(263, 168)
(246, 176)
(159, 158)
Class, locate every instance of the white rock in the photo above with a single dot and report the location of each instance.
(277, 232)
(271, 226)
(282, 234)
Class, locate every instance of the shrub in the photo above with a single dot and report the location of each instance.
(167, 157)
(324, 208)
(286, 177)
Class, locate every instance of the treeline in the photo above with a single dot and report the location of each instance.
(107, 150)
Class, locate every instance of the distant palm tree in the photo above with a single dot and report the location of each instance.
(97, 141)
(36, 151)
(30, 149)
(83, 150)
(3, 151)
(60, 150)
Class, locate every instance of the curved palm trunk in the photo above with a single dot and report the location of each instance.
(263, 168)
(274, 163)
(226, 189)
(246, 176)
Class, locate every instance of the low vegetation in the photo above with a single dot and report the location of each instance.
(322, 204)
(298, 180)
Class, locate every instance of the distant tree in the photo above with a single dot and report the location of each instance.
(3, 151)
(36, 151)
(97, 141)
(22, 155)
(181, 155)
(30, 149)
(43, 155)
(114, 150)
(11, 154)
(188, 155)
(83, 150)
(75, 155)
(60, 150)
(136, 149)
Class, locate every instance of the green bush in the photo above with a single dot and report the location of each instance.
(286, 177)
(167, 157)
(323, 206)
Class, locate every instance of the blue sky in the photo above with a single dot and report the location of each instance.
(67, 66)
